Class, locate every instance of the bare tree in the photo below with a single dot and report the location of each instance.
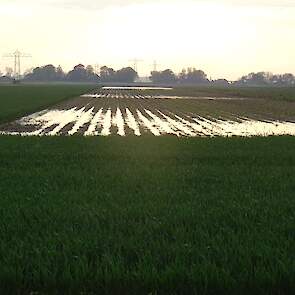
(9, 72)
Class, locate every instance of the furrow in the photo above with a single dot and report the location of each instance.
(131, 122)
(84, 118)
(145, 122)
(107, 123)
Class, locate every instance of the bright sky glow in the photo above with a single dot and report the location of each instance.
(225, 38)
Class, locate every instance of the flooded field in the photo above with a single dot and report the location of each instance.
(135, 88)
(132, 111)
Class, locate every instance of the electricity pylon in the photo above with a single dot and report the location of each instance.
(17, 55)
(155, 66)
(135, 62)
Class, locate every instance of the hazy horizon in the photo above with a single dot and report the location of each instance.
(225, 38)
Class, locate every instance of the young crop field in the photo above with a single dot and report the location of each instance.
(147, 215)
(131, 111)
(17, 101)
(180, 194)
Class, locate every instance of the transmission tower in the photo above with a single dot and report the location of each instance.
(135, 62)
(17, 56)
(155, 66)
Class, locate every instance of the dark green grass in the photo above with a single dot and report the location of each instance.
(147, 215)
(275, 93)
(19, 100)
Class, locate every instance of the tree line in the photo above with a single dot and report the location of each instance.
(267, 79)
(192, 76)
(189, 76)
(79, 73)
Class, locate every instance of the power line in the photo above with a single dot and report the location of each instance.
(17, 56)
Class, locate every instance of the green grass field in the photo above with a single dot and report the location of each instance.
(20, 100)
(142, 215)
(145, 215)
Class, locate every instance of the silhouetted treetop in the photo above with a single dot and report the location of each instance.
(82, 74)
(187, 76)
(126, 75)
(166, 76)
(266, 79)
(45, 73)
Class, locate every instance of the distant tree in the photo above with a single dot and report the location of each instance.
(9, 72)
(186, 76)
(287, 79)
(44, 74)
(127, 75)
(90, 69)
(182, 75)
(193, 76)
(60, 73)
(256, 79)
(107, 74)
(283, 80)
(49, 73)
(28, 71)
(166, 76)
(220, 82)
(82, 74)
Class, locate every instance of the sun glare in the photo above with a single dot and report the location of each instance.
(195, 30)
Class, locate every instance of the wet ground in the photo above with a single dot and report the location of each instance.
(117, 111)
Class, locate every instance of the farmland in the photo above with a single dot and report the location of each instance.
(17, 101)
(112, 111)
(148, 215)
(273, 93)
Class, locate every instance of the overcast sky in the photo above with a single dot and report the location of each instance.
(226, 38)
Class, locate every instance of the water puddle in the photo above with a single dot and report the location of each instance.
(146, 123)
(132, 123)
(150, 120)
(95, 123)
(135, 88)
(164, 126)
(107, 123)
(118, 121)
(83, 119)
